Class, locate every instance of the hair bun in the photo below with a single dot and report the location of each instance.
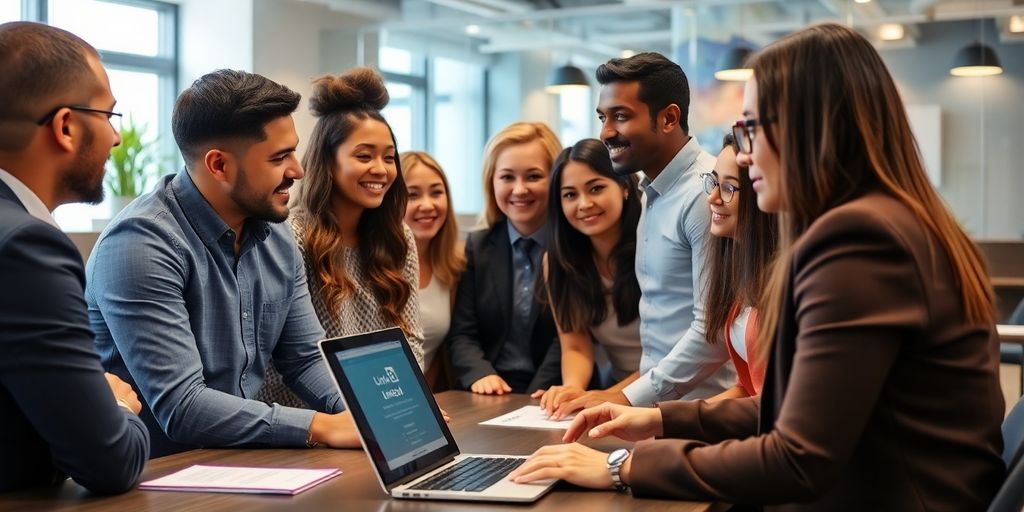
(356, 89)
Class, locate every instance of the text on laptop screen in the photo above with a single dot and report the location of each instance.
(395, 405)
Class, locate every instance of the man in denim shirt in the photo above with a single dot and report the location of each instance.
(196, 287)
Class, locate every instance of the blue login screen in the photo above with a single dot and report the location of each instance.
(396, 407)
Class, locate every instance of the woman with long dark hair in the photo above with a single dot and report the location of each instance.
(882, 390)
(738, 262)
(589, 272)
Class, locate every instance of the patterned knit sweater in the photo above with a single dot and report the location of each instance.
(359, 311)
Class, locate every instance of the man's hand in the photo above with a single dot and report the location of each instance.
(628, 423)
(334, 430)
(123, 393)
(556, 396)
(588, 399)
(491, 385)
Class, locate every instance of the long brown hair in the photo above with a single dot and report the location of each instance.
(513, 135)
(738, 267)
(341, 102)
(838, 135)
(573, 284)
(445, 255)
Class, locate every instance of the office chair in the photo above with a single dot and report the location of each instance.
(1010, 497)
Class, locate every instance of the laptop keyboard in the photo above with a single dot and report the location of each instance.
(472, 474)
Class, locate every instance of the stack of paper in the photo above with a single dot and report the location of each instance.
(244, 480)
(529, 416)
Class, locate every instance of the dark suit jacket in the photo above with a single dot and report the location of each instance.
(483, 312)
(57, 414)
(879, 394)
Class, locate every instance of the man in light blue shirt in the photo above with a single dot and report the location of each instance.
(194, 289)
(643, 111)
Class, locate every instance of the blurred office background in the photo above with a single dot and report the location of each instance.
(458, 70)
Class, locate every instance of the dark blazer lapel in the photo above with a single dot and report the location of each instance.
(498, 270)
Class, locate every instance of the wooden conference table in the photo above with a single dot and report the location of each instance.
(356, 489)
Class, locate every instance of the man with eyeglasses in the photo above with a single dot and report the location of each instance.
(643, 110)
(60, 415)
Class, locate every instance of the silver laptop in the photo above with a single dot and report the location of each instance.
(414, 454)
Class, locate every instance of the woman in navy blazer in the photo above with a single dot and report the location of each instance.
(501, 339)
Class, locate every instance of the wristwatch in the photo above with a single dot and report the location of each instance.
(615, 461)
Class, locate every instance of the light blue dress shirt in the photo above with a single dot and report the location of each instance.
(193, 327)
(676, 361)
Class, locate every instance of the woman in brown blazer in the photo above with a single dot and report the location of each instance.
(881, 390)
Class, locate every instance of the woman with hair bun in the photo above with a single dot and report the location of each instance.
(361, 262)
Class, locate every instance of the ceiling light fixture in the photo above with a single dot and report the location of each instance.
(732, 65)
(1016, 24)
(565, 78)
(891, 32)
(976, 59)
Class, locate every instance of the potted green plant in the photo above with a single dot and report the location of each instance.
(131, 165)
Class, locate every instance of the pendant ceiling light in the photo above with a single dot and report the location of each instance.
(976, 59)
(565, 78)
(732, 65)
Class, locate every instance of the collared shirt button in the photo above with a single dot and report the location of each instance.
(245, 314)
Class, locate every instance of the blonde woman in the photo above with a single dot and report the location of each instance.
(432, 218)
(501, 339)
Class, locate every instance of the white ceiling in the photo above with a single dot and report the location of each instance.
(605, 28)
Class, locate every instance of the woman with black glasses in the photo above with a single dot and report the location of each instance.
(737, 264)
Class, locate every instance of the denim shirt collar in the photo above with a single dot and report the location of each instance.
(207, 223)
(677, 169)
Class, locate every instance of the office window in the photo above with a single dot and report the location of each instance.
(10, 10)
(397, 60)
(437, 106)
(110, 26)
(458, 129)
(136, 40)
(399, 114)
(577, 116)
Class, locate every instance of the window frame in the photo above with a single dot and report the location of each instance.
(424, 101)
(165, 65)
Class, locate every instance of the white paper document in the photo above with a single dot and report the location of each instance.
(244, 480)
(529, 416)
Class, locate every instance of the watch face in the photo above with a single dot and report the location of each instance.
(618, 456)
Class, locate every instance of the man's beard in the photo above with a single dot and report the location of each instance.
(84, 180)
(254, 205)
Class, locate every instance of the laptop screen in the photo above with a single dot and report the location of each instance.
(387, 395)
